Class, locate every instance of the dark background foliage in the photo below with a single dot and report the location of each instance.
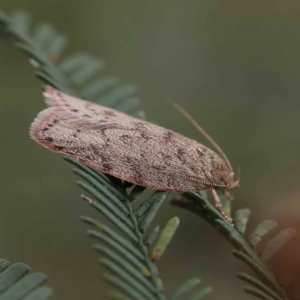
(235, 68)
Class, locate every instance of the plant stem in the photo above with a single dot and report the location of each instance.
(155, 277)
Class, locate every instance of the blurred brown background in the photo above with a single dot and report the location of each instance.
(234, 65)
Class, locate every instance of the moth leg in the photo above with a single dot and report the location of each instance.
(228, 195)
(218, 205)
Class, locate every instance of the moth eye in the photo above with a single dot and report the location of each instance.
(222, 183)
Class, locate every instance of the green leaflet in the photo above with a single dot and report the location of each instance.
(129, 106)
(241, 219)
(99, 86)
(116, 96)
(257, 293)
(259, 285)
(136, 192)
(57, 46)
(15, 284)
(118, 296)
(78, 60)
(126, 277)
(186, 288)
(260, 231)
(280, 240)
(106, 207)
(152, 236)
(152, 201)
(202, 294)
(258, 269)
(24, 286)
(123, 286)
(88, 71)
(110, 187)
(4, 264)
(164, 239)
(21, 22)
(112, 218)
(112, 235)
(141, 273)
(43, 35)
(12, 275)
(50, 80)
(147, 220)
(102, 188)
(41, 293)
(125, 254)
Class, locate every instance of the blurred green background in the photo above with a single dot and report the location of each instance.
(234, 65)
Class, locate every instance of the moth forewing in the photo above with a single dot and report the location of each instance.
(128, 148)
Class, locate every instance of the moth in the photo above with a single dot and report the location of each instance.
(129, 148)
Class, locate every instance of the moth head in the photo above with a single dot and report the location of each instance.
(227, 181)
(234, 184)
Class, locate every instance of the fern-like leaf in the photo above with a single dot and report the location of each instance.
(188, 287)
(266, 287)
(276, 243)
(130, 263)
(78, 74)
(15, 284)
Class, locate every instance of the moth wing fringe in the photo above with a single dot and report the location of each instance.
(37, 123)
(51, 97)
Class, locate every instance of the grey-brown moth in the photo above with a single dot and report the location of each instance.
(128, 148)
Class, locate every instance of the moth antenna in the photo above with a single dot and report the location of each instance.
(202, 131)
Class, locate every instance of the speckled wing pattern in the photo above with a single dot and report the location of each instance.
(128, 148)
